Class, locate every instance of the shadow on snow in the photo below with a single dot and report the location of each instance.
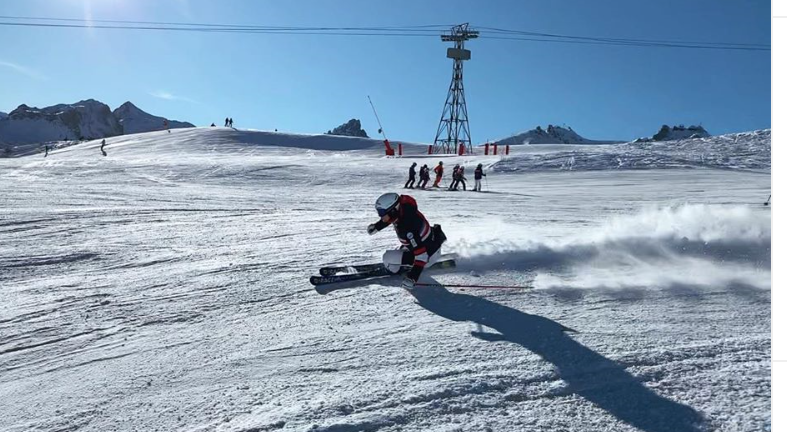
(589, 374)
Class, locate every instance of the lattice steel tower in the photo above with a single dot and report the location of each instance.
(454, 127)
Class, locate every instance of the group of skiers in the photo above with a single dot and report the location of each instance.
(457, 176)
(228, 122)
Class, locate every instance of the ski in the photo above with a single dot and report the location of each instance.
(363, 268)
(319, 281)
(360, 268)
(323, 284)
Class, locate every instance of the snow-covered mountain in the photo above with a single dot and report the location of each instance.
(82, 120)
(3, 115)
(134, 120)
(351, 128)
(88, 119)
(674, 133)
(552, 135)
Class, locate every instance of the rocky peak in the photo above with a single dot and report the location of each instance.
(351, 128)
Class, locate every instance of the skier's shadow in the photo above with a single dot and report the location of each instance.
(589, 374)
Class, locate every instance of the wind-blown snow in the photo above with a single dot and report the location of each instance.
(710, 245)
(164, 286)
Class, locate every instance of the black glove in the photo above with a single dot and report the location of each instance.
(371, 229)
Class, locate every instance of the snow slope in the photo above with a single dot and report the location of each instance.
(165, 287)
(749, 150)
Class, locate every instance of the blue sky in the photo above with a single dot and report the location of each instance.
(312, 83)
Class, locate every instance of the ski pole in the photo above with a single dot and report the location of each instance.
(377, 117)
(767, 202)
(472, 286)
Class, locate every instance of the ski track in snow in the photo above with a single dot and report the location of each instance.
(165, 287)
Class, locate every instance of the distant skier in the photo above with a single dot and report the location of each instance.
(411, 177)
(166, 125)
(226, 122)
(439, 173)
(46, 150)
(423, 176)
(421, 243)
(213, 125)
(103, 143)
(460, 178)
(454, 178)
(479, 172)
(231, 122)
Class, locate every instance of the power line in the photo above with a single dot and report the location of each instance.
(383, 31)
(226, 30)
(551, 35)
(434, 28)
(632, 44)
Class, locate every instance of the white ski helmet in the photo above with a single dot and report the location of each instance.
(386, 203)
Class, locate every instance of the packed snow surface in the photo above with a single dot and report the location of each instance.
(165, 287)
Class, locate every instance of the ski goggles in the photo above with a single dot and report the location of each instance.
(392, 216)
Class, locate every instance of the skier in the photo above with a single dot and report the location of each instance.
(460, 178)
(411, 177)
(479, 172)
(103, 143)
(230, 121)
(439, 171)
(46, 150)
(420, 242)
(226, 122)
(424, 177)
(454, 178)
